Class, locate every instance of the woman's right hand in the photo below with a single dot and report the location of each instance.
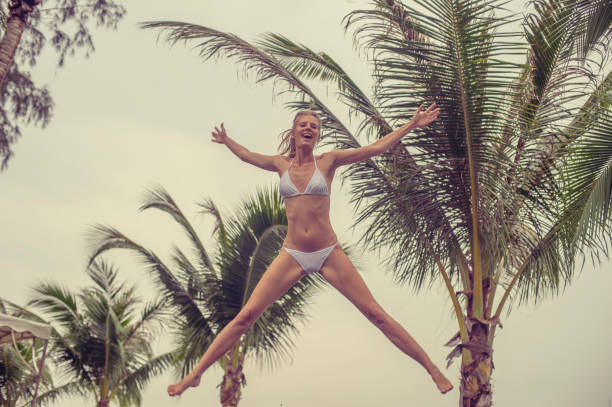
(219, 136)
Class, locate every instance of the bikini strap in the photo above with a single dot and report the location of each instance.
(290, 164)
(315, 161)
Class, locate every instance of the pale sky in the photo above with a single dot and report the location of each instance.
(138, 114)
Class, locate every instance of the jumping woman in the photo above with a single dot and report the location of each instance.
(311, 246)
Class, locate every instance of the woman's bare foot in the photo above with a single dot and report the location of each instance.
(188, 381)
(444, 385)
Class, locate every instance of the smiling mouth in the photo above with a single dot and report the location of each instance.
(307, 135)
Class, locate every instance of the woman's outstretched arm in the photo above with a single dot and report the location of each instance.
(266, 162)
(420, 119)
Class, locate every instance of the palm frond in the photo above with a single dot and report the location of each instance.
(130, 386)
(57, 301)
(152, 313)
(588, 186)
(581, 221)
(542, 265)
(305, 63)
(208, 207)
(109, 238)
(104, 276)
(589, 114)
(557, 80)
(198, 281)
(215, 44)
(72, 389)
(160, 199)
(548, 267)
(594, 21)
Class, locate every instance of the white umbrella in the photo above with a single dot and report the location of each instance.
(14, 330)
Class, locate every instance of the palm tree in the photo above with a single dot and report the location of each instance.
(99, 342)
(17, 380)
(19, 11)
(17, 377)
(501, 194)
(209, 292)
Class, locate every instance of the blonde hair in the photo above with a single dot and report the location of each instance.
(287, 143)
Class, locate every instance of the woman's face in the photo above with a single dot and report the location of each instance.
(306, 130)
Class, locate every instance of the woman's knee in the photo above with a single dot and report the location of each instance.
(376, 314)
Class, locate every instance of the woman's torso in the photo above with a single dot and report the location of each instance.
(309, 227)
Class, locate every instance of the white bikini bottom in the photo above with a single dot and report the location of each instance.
(311, 262)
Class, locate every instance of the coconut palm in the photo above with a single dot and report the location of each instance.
(209, 292)
(17, 376)
(17, 379)
(501, 194)
(100, 344)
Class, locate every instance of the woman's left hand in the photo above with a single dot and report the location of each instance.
(423, 118)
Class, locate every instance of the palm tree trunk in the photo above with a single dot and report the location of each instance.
(19, 10)
(476, 375)
(104, 398)
(233, 379)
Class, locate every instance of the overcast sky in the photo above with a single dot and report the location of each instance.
(138, 114)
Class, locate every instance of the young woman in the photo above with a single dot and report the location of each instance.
(311, 246)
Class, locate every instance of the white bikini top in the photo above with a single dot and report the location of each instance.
(316, 186)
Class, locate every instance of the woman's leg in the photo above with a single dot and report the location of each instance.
(281, 275)
(340, 272)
